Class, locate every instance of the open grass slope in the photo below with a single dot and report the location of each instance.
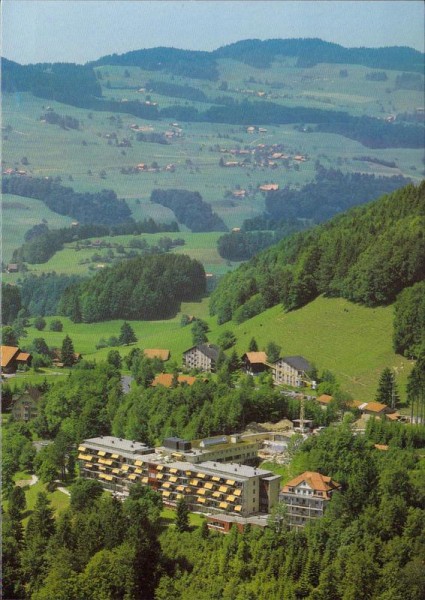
(352, 341)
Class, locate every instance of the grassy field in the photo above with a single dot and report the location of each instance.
(200, 246)
(19, 215)
(79, 156)
(350, 340)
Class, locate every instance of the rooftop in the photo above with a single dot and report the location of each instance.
(114, 444)
(7, 354)
(297, 362)
(256, 357)
(316, 481)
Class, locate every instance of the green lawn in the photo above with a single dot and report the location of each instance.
(168, 516)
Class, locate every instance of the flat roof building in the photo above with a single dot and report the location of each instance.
(209, 487)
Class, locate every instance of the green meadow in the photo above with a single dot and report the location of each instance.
(350, 340)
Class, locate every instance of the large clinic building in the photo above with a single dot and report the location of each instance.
(210, 486)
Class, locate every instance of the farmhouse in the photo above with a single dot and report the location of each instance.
(255, 362)
(12, 358)
(12, 268)
(202, 357)
(291, 370)
(374, 409)
(306, 497)
(324, 400)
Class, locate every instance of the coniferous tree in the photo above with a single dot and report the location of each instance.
(253, 346)
(387, 389)
(127, 335)
(182, 516)
(67, 353)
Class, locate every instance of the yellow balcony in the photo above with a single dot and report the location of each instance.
(101, 453)
(238, 508)
(132, 477)
(223, 505)
(237, 492)
(173, 470)
(209, 486)
(194, 482)
(201, 500)
(216, 495)
(230, 482)
(82, 448)
(125, 467)
(173, 479)
(215, 478)
(138, 463)
(115, 456)
(223, 488)
(166, 485)
(231, 498)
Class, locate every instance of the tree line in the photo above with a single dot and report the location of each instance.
(367, 255)
(100, 207)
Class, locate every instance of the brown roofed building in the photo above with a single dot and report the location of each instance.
(203, 357)
(306, 497)
(255, 362)
(166, 379)
(25, 405)
(324, 400)
(12, 358)
(160, 353)
(374, 409)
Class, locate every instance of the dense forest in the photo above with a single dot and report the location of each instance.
(146, 287)
(40, 295)
(101, 207)
(331, 192)
(190, 209)
(367, 255)
(409, 321)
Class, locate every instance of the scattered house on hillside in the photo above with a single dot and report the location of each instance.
(203, 357)
(381, 447)
(307, 496)
(250, 129)
(236, 229)
(166, 379)
(12, 268)
(239, 193)
(374, 409)
(269, 187)
(255, 363)
(300, 158)
(74, 224)
(292, 370)
(324, 400)
(162, 354)
(25, 405)
(12, 358)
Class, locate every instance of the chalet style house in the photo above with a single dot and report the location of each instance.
(12, 358)
(291, 370)
(306, 497)
(255, 362)
(203, 357)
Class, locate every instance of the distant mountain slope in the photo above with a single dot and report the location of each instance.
(311, 51)
(203, 65)
(367, 255)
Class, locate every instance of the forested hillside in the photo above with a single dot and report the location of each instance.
(366, 255)
(147, 287)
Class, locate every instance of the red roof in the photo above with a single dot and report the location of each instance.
(8, 353)
(256, 357)
(316, 481)
(166, 379)
(324, 399)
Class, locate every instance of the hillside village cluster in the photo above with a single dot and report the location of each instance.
(215, 475)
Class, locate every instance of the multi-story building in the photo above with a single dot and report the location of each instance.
(25, 405)
(203, 357)
(306, 497)
(291, 370)
(209, 487)
(225, 448)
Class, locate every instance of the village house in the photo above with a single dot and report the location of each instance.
(25, 405)
(291, 370)
(324, 400)
(12, 268)
(255, 363)
(12, 358)
(377, 409)
(203, 357)
(166, 379)
(306, 497)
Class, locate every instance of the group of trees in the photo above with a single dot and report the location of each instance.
(367, 255)
(190, 209)
(409, 321)
(65, 122)
(101, 207)
(96, 549)
(146, 287)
